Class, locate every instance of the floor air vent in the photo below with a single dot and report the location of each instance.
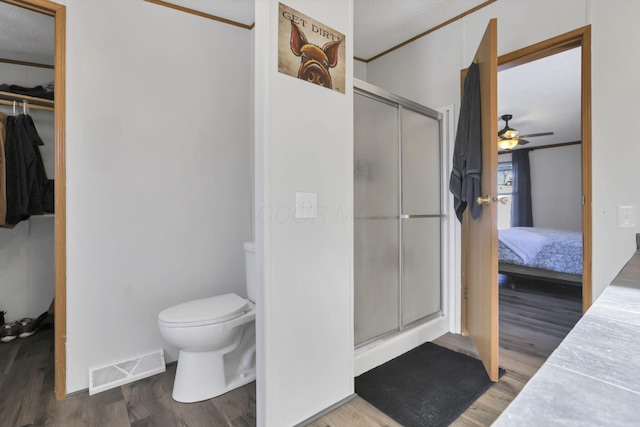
(107, 377)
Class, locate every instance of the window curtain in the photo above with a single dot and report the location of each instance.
(521, 207)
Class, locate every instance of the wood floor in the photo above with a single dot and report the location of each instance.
(532, 324)
(27, 399)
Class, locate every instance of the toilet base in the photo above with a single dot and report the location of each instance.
(204, 375)
(200, 376)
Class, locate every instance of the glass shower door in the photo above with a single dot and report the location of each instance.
(377, 212)
(398, 214)
(421, 216)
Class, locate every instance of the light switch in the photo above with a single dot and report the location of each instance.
(626, 216)
(306, 205)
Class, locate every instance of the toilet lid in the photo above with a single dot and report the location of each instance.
(205, 311)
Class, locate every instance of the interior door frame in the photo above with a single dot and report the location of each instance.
(580, 37)
(58, 12)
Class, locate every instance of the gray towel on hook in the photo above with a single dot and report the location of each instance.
(464, 182)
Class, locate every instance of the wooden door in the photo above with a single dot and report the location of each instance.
(480, 237)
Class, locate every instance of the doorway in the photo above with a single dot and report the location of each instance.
(539, 181)
(479, 247)
(577, 39)
(398, 214)
(58, 13)
(515, 356)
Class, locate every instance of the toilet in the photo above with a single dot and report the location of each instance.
(216, 337)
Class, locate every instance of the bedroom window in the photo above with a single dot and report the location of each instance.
(505, 185)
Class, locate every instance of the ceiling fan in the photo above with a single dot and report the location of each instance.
(508, 138)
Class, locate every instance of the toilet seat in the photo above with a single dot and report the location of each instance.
(206, 311)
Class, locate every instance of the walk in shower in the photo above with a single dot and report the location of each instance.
(398, 213)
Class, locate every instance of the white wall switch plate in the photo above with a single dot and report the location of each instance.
(626, 216)
(306, 205)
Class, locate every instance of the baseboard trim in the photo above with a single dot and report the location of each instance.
(326, 411)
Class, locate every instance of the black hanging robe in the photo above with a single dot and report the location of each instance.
(25, 175)
(464, 183)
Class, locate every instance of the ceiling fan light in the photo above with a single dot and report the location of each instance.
(507, 144)
(509, 134)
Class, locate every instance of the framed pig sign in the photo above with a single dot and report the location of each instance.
(309, 50)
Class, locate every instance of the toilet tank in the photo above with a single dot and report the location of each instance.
(250, 268)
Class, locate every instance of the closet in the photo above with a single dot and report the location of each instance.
(27, 279)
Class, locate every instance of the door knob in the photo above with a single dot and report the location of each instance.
(486, 200)
(483, 201)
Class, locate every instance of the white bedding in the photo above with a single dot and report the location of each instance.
(524, 243)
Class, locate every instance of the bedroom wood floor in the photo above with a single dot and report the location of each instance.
(532, 324)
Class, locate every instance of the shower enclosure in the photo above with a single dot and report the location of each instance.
(398, 213)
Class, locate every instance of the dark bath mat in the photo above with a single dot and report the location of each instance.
(427, 386)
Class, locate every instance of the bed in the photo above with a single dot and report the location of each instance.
(541, 253)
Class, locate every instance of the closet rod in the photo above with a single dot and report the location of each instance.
(31, 106)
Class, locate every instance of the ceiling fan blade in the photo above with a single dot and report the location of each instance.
(531, 135)
(523, 142)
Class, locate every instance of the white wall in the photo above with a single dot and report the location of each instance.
(304, 138)
(556, 187)
(428, 70)
(360, 70)
(615, 153)
(158, 172)
(27, 250)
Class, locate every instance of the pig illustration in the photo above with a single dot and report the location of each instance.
(314, 61)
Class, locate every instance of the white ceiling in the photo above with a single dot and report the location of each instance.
(380, 25)
(376, 29)
(542, 96)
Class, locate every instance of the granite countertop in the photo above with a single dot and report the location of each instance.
(593, 377)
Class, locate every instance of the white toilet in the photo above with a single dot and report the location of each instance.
(216, 337)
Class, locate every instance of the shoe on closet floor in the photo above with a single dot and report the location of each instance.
(30, 326)
(9, 331)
